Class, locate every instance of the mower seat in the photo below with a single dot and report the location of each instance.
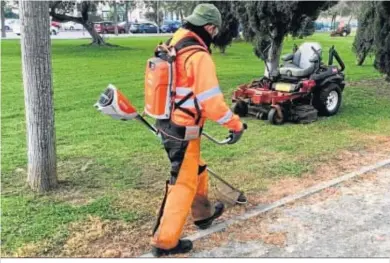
(303, 62)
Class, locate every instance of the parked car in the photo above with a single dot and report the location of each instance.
(54, 30)
(55, 24)
(8, 23)
(16, 29)
(72, 26)
(170, 26)
(108, 27)
(125, 25)
(144, 28)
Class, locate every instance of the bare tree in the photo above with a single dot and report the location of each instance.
(38, 94)
(2, 5)
(59, 10)
(181, 8)
(343, 9)
(115, 17)
(127, 6)
(155, 14)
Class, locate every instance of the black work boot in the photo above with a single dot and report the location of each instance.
(241, 199)
(206, 223)
(184, 246)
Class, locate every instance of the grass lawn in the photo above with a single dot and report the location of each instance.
(115, 171)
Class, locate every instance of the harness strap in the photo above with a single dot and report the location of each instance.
(185, 45)
(183, 100)
(198, 111)
(189, 95)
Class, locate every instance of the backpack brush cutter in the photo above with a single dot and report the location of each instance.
(113, 103)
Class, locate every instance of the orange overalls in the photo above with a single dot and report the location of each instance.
(188, 188)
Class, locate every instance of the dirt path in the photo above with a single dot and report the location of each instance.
(351, 220)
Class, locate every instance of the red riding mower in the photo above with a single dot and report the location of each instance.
(298, 91)
(341, 31)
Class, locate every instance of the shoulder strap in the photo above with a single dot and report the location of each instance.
(187, 42)
(184, 45)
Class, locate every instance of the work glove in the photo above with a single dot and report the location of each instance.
(235, 136)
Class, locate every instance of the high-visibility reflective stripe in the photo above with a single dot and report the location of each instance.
(226, 117)
(187, 104)
(208, 94)
(182, 91)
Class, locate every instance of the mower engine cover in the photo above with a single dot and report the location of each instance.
(113, 103)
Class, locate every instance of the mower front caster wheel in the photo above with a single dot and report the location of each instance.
(240, 108)
(274, 118)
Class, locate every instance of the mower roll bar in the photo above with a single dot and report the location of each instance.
(317, 53)
(333, 54)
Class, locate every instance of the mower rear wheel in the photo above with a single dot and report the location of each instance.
(274, 118)
(240, 108)
(328, 100)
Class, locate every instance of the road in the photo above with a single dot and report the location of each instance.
(353, 223)
(84, 34)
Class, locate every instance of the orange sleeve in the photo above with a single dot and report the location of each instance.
(208, 93)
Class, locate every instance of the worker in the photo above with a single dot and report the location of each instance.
(200, 98)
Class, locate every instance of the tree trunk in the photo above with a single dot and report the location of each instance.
(38, 94)
(273, 58)
(362, 57)
(115, 18)
(127, 17)
(158, 17)
(333, 23)
(349, 20)
(96, 38)
(3, 33)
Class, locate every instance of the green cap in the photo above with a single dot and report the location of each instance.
(205, 14)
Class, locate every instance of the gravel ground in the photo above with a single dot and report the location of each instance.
(353, 223)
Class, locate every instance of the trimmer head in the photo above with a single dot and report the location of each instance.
(113, 103)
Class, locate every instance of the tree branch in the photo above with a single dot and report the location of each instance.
(62, 17)
(66, 18)
(84, 10)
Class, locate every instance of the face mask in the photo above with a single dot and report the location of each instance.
(215, 33)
